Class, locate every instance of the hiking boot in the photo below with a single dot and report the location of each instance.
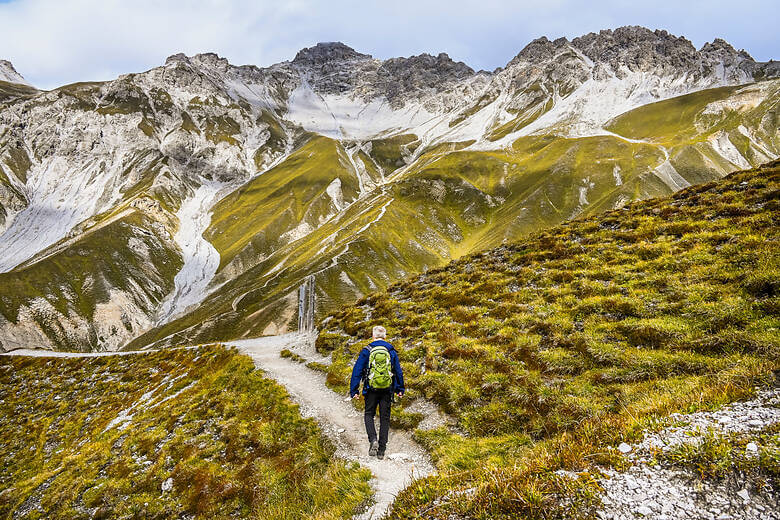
(380, 454)
(373, 449)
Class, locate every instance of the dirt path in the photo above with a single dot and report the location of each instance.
(405, 460)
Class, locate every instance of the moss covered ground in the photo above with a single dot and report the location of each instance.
(98, 438)
(549, 350)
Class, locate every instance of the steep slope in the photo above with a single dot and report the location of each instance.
(551, 350)
(357, 170)
(83, 157)
(8, 74)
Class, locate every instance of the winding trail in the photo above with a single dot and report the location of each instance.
(405, 462)
(339, 420)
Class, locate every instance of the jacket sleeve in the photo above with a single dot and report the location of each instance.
(357, 373)
(398, 373)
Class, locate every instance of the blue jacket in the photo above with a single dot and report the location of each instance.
(360, 370)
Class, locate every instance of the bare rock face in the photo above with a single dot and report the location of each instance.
(638, 49)
(418, 75)
(335, 68)
(540, 50)
(327, 53)
(8, 73)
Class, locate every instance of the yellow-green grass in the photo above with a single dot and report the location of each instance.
(98, 437)
(439, 211)
(11, 92)
(717, 455)
(459, 201)
(550, 350)
(388, 152)
(668, 121)
(258, 213)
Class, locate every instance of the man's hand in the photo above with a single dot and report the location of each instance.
(399, 394)
(356, 396)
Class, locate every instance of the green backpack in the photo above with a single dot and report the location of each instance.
(380, 375)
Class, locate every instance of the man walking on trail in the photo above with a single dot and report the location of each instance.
(378, 368)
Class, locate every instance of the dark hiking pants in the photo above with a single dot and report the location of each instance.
(381, 399)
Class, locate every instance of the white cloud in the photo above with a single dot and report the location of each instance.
(53, 42)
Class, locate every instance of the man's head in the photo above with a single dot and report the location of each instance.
(380, 332)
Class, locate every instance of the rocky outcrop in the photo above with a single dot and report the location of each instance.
(672, 491)
(8, 73)
(327, 53)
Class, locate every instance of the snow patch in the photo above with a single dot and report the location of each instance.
(348, 117)
(8, 73)
(587, 185)
(61, 196)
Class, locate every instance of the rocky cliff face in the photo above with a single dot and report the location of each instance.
(225, 185)
(8, 73)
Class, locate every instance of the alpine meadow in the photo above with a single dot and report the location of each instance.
(571, 265)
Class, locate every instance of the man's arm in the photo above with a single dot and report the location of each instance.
(357, 373)
(399, 375)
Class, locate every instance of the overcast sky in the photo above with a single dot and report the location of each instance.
(55, 42)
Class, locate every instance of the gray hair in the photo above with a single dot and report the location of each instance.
(380, 332)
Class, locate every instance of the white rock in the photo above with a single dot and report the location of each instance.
(341, 430)
(743, 494)
(167, 485)
(751, 447)
(399, 456)
(644, 510)
(624, 448)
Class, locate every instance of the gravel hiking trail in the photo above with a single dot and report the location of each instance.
(405, 460)
(340, 421)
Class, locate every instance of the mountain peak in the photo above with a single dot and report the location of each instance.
(206, 58)
(325, 52)
(540, 49)
(720, 48)
(637, 48)
(8, 73)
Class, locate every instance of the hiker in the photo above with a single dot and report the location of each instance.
(379, 369)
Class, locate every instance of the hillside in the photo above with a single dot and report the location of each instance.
(188, 433)
(550, 351)
(222, 187)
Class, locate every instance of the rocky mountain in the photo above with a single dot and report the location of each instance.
(8, 73)
(188, 202)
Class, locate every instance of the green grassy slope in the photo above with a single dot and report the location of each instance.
(551, 349)
(292, 193)
(11, 92)
(669, 121)
(451, 202)
(98, 437)
(688, 125)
